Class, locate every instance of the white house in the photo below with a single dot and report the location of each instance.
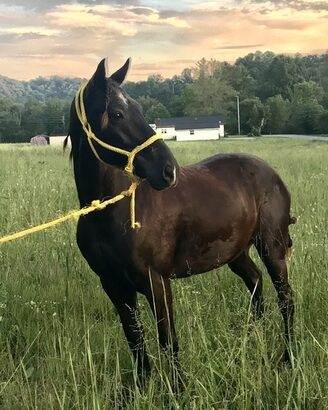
(191, 128)
(58, 140)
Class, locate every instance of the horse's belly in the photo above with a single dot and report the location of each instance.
(204, 259)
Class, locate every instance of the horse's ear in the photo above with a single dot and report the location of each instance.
(119, 75)
(98, 79)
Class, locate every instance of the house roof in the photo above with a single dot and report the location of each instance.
(183, 123)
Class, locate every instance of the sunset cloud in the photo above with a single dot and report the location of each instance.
(240, 47)
(69, 38)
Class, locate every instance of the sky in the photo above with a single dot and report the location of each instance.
(69, 38)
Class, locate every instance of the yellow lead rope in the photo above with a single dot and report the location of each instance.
(95, 205)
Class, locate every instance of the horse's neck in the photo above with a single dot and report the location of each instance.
(95, 180)
(111, 180)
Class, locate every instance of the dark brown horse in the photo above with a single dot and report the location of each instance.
(212, 213)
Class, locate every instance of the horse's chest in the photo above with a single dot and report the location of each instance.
(104, 253)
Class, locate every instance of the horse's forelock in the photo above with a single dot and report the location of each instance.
(104, 121)
(111, 87)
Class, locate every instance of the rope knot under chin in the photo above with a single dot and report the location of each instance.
(96, 203)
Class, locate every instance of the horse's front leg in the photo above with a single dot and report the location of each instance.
(159, 295)
(124, 298)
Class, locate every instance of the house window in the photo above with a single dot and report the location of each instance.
(192, 132)
(163, 131)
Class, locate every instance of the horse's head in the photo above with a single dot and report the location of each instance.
(117, 119)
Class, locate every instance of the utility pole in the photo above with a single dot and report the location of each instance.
(238, 114)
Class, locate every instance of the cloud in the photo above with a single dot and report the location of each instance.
(108, 17)
(141, 10)
(299, 5)
(286, 25)
(240, 47)
(158, 66)
(43, 5)
(80, 32)
(10, 38)
(34, 4)
(65, 37)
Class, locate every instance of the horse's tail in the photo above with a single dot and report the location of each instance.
(292, 221)
(65, 146)
(65, 142)
(69, 132)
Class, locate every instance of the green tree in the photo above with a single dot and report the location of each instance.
(323, 77)
(307, 91)
(146, 103)
(238, 77)
(187, 76)
(207, 96)
(278, 111)
(54, 116)
(155, 87)
(157, 110)
(205, 68)
(257, 65)
(66, 114)
(306, 107)
(280, 76)
(33, 118)
(10, 120)
(322, 123)
(176, 106)
(306, 115)
(252, 115)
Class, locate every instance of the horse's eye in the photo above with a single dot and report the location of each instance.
(118, 115)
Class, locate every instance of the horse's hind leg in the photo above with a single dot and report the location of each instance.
(244, 267)
(272, 246)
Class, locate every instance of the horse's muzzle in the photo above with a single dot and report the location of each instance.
(158, 166)
(170, 174)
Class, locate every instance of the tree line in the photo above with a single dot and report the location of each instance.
(21, 121)
(277, 94)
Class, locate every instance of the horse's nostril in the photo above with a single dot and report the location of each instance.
(169, 174)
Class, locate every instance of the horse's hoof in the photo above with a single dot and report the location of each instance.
(285, 361)
(143, 377)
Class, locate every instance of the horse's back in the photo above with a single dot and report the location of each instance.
(232, 163)
(242, 171)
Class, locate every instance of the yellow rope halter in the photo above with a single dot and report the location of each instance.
(80, 111)
(95, 205)
(129, 168)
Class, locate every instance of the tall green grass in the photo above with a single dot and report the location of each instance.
(61, 343)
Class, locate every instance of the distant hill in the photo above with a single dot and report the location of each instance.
(41, 88)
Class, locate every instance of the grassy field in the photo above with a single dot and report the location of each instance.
(61, 344)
